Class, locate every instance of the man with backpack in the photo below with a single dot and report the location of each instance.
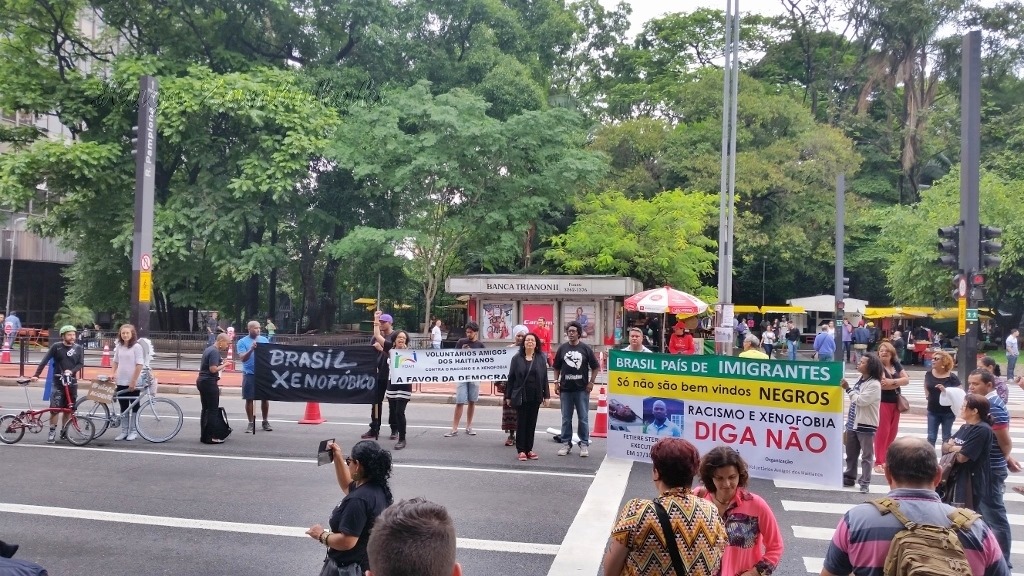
(915, 523)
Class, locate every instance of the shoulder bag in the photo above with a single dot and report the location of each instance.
(670, 539)
(902, 404)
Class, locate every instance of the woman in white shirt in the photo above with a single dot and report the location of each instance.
(126, 367)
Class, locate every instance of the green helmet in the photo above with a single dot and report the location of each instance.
(67, 328)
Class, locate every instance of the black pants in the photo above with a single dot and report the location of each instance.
(209, 397)
(377, 408)
(125, 398)
(396, 416)
(526, 426)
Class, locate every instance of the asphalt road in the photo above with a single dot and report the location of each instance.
(242, 507)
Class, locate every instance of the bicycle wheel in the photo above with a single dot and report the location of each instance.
(79, 431)
(11, 429)
(159, 420)
(93, 410)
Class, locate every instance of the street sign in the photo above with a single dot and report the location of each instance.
(962, 287)
(145, 285)
(972, 315)
(8, 328)
(146, 262)
(961, 316)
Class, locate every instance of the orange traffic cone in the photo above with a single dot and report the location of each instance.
(601, 419)
(105, 361)
(5, 355)
(231, 360)
(312, 415)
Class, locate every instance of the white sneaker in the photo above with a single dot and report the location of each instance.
(121, 436)
(565, 450)
(132, 436)
(584, 452)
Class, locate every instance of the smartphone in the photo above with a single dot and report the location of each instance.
(324, 454)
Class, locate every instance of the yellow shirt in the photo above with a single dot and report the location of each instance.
(754, 353)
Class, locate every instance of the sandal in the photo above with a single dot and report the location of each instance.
(522, 456)
(452, 433)
(510, 442)
(879, 469)
(470, 432)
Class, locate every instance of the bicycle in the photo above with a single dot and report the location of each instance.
(158, 419)
(78, 432)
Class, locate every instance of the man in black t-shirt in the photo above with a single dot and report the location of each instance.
(383, 373)
(466, 392)
(68, 359)
(575, 373)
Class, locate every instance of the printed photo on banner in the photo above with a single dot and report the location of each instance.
(540, 319)
(450, 365)
(583, 313)
(498, 321)
(784, 417)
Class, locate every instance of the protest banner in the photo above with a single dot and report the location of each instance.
(784, 418)
(339, 375)
(455, 365)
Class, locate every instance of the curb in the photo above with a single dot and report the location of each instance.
(419, 397)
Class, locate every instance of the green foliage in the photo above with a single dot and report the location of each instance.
(662, 241)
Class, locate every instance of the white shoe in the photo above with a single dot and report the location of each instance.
(132, 436)
(565, 450)
(124, 432)
(584, 452)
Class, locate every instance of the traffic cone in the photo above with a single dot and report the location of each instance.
(105, 361)
(312, 415)
(231, 359)
(5, 355)
(601, 419)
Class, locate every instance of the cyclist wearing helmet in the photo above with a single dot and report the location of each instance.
(69, 358)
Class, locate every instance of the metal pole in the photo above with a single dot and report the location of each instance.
(10, 273)
(764, 263)
(970, 154)
(840, 264)
(142, 238)
(724, 271)
(732, 143)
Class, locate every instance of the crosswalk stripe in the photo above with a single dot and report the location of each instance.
(1009, 496)
(839, 508)
(815, 533)
(814, 565)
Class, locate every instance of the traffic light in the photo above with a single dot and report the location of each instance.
(977, 282)
(989, 247)
(957, 278)
(135, 141)
(846, 287)
(949, 246)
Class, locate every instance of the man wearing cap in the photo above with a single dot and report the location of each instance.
(68, 358)
(681, 341)
(385, 322)
(246, 348)
(750, 349)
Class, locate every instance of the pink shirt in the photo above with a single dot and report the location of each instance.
(754, 536)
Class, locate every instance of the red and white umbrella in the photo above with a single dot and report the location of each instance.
(665, 300)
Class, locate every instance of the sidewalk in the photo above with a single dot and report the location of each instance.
(184, 382)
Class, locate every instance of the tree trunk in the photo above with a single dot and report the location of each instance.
(328, 309)
(272, 287)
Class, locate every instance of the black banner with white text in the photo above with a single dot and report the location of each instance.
(336, 375)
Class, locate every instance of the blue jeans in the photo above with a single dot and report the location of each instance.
(791, 349)
(824, 357)
(946, 419)
(580, 402)
(1011, 363)
(993, 511)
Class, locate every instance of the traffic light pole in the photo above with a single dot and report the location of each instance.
(970, 155)
(142, 238)
(840, 264)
